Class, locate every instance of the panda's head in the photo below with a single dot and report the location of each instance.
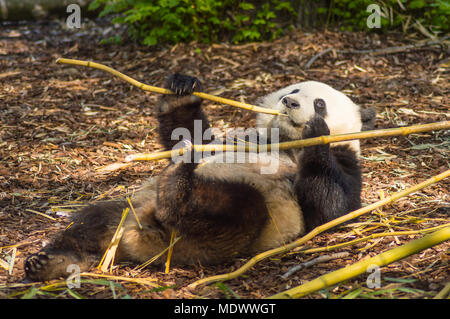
(301, 101)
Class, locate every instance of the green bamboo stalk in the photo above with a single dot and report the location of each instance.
(320, 229)
(326, 139)
(156, 89)
(360, 267)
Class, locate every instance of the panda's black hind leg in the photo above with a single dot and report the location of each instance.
(328, 183)
(80, 245)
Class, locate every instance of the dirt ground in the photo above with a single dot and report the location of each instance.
(60, 125)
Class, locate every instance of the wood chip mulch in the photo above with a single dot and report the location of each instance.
(60, 124)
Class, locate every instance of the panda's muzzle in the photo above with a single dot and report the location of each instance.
(290, 102)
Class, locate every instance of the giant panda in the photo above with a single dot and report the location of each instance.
(221, 210)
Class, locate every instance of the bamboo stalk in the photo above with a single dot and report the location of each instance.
(316, 231)
(372, 236)
(151, 260)
(142, 281)
(444, 292)
(169, 253)
(156, 89)
(134, 213)
(107, 260)
(41, 214)
(326, 139)
(360, 267)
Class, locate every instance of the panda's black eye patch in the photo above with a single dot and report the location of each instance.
(320, 107)
(293, 92)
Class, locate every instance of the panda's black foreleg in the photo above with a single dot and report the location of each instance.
(328, 184)
(180, 115)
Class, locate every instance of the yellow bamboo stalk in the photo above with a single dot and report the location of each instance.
(169, 253)
(143, 281)
(107, 260)
(41, 214)
(372, 236)
(151, 260)
(316, 231)
(156, 89)
(326, 139)
(444, 292)
(360, 267)
(134, 212)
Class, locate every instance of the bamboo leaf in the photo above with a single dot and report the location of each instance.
(353, 294)
(400, 280)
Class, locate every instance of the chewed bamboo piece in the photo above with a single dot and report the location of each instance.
(108, 258)
(320, 229)
(297, 143)
(156, 89)
(361, 267)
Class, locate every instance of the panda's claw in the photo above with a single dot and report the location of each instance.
(183, 84)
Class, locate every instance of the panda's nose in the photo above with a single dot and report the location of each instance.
(290, 102)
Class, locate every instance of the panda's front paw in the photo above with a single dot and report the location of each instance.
(315, 127)
(183, 84)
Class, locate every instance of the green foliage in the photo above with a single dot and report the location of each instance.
(172, 21)
(395, 14)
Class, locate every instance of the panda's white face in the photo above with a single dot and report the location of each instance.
(301, 101)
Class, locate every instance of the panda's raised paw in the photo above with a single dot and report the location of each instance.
(315, 127)
(183, 84)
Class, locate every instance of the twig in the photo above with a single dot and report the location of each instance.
(294, 144)
(315, 261)
(314, 58)
(389, 50)
(396, 49)
(320, 229)
(155, 89)
(361, 267)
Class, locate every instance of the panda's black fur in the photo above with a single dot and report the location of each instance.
(220, 210)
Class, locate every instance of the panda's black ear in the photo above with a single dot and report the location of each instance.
(183, 84)
(368, 116)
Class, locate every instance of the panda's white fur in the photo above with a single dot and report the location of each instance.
(276, 194)
(343, 116)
